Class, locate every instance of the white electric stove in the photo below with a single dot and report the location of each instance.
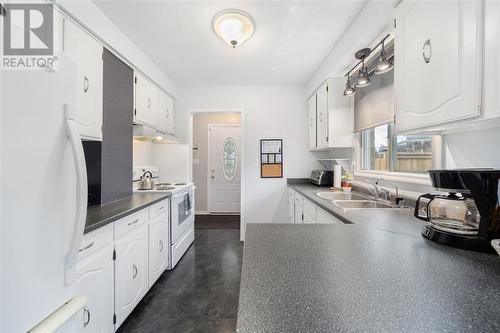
(181, 226)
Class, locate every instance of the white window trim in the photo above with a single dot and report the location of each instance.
(405, 177)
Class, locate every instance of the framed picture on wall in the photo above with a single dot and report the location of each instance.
(271, 158)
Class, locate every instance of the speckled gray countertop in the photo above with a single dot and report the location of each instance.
(377, 274)
(98, 216)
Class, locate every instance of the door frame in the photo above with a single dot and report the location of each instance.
(189, 126)
(209, 183)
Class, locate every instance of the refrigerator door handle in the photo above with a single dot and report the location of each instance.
(81, 193)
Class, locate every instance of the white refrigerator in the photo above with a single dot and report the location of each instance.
(43, 196)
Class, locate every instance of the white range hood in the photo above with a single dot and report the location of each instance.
(146, 133)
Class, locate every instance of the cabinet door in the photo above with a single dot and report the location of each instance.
(158, 247)
(322, 114)
(324, 217)
(146, 101)
(299, 209)
(438, 51)
(95, 282)
(291, 206)
(131, 272)
(165, 112)
(312, 121)
(87, 54)
(309, 212)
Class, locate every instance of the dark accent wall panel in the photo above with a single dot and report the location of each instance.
(93, 161)
(117, 131)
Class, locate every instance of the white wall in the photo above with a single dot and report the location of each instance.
(200, 135)
(472, 149)
(269, 112)
(143, 153)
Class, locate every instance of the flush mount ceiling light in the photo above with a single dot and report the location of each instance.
(233, 26)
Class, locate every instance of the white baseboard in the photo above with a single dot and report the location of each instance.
(201, 212)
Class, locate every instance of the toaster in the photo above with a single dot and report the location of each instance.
(321, 177)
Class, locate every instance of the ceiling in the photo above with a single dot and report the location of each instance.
(291, 40)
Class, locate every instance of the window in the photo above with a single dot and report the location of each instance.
(381, 150)
(229, 158)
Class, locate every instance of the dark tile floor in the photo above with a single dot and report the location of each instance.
(217, 222)
(200, 294)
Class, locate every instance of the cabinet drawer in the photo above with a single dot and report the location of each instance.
(131, 222)
(159, 208)
(95, 240)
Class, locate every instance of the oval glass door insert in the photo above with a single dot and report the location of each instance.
(229, 158)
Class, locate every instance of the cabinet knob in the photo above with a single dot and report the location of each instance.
(86, 316)
(86, 83)
(427, 51)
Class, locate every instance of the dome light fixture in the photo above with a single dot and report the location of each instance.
(233, 26)
(384, 65)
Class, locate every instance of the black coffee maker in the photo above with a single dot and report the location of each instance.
(465, 213)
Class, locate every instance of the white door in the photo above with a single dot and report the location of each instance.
(312, 121)
(224, 168)
(322, 114)
(146, 101)
(438, 62)
(158, 247)
(96, 283)
(131, 273)
(87, 53)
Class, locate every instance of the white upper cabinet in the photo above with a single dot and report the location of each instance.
(87, 54)
(146, 101)
(165, 112)
(333, 125)
(438, 59)
(322, 116)
(312, 121)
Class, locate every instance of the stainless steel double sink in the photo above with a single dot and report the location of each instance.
(346, 200)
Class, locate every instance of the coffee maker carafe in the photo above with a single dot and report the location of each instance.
(465, 213)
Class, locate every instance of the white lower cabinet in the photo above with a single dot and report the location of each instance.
(299, 209)
(309, 212)
(291, 205)
(325, 218)
(131, 272)
(158, 247)
(95, 280)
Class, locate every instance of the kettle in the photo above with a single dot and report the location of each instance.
(450, 212)
(147, 182)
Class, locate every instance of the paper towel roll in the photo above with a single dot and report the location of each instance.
(337, 176)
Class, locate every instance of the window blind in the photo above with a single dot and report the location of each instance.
(374, 105)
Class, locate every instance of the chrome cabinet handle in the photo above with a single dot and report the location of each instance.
(149, 102)
(86, 316)
(134, 271)
(133, 222)
(160, 208)
(427, 46)
(86, 84)
(168, 113)
(86, 247)
(161, 245)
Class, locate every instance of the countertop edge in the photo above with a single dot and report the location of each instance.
(124, 213)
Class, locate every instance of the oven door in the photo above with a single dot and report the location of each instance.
(182, 213)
